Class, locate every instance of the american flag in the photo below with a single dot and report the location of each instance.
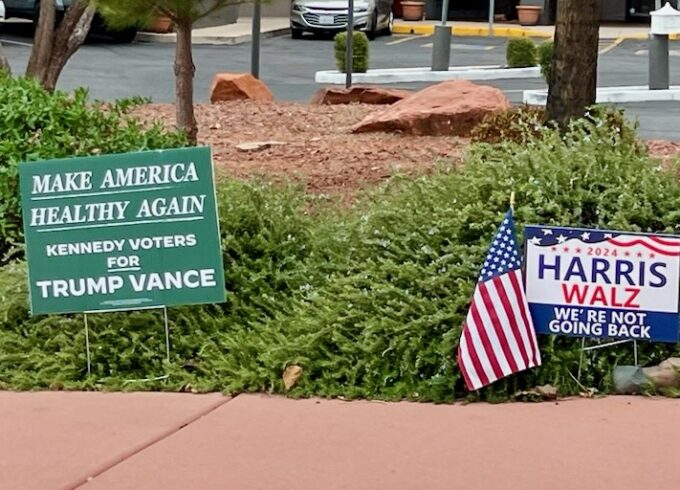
(498, 336)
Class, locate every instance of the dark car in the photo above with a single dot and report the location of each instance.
(28, 9)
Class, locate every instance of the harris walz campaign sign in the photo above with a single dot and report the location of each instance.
(603, 284)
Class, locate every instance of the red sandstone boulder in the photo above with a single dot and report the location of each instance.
(358, 95)
(449, 108)
(238, 86)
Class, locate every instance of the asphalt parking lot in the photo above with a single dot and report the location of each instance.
(288, 66)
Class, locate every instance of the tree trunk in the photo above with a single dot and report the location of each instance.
(573, 79)
(184, 80)
(43, 42)
(4, 64)
(68, 38)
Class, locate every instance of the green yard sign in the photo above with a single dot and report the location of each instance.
(121, 232)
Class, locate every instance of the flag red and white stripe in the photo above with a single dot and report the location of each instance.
(498, 337)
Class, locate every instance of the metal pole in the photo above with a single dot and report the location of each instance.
(492, 10)
(348, 51)
(441, 47)
(87, 347)
(255, 50)
(167, 333)
(580, 359)
(658, 62)
(635, 352)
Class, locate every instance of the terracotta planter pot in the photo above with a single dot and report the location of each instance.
(412, 10)
(528, 14)
(161, 25)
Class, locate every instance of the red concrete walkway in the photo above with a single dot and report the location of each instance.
(259, 442)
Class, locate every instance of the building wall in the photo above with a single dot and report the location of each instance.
(612, 10)
(275, 8)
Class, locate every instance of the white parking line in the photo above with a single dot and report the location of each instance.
(608, 45)
(469, 47)
(18, 43)
(644, 52)
(404, 39)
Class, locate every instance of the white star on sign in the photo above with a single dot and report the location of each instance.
(547, 232)
(561, 239)
(608, 235)
(585, 235)
(535, 241)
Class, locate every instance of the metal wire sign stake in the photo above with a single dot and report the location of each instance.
(87, 332)
(126, 232)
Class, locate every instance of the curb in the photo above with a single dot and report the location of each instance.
(618, 95)
(198, 40)
(404, 75)
(467, 31)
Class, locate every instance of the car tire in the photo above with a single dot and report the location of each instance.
(123, 37)
(390, 23)
(296, 33)
(372, 31)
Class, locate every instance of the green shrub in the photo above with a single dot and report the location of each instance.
(520, 53)
(359, 51)
(517, 125)
(38, 125)
(369, 301)
(523, 124)
(545, 56)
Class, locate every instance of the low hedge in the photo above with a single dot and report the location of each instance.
(38, 125)
(368, 301)
(360, 51)
(520, 53)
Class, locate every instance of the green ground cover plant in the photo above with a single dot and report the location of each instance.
(368, 301)
(37, 125)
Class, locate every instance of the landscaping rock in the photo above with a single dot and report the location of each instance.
(258, 145)
(449, 108)
(633, 379)
(238, 86)
(358, 95)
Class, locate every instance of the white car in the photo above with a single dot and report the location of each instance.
(371, 16)
(2, 11)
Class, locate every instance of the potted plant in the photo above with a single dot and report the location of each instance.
(160, 24)
(528, 14)
(412, 10)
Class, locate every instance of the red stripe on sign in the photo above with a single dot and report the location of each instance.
(644, 244)
(662, 241)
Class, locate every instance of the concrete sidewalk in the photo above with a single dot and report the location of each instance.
(133, 441)
(237, 33)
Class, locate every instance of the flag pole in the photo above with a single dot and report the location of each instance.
(512, 200)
